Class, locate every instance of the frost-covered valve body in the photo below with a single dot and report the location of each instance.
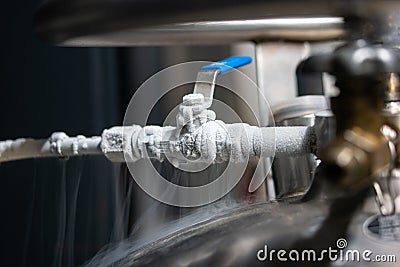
(194, 112)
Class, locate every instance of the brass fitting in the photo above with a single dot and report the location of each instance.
(391, 112)
(360, 151)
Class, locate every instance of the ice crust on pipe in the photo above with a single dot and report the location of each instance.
(118, 140)
(292, 141)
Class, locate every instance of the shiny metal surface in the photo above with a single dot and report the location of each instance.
(293, 175)
(325, 128)
(220, 32)
(140, 22)
(299, 107)
(233, 239)
(276, 64)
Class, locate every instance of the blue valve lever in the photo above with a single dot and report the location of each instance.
(228, 64)
(205, 82)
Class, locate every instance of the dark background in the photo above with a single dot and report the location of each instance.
(55, 212)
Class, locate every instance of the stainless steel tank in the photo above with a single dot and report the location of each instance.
(329, 219)
(293, 175)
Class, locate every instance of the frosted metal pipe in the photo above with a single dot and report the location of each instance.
(217, 141)
(244, 141)
(270, 141)
(58, 145)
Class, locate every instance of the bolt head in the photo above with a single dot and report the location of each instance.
(193, 99)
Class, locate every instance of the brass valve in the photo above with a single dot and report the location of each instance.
(360, 152)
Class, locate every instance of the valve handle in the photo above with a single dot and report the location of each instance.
(228, 64)
(206, 78)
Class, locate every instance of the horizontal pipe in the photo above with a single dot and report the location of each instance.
(58, 145)
(245, 141)
(216, 141)
(289, 141)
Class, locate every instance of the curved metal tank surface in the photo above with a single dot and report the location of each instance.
(233, 239)
(159, 22)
